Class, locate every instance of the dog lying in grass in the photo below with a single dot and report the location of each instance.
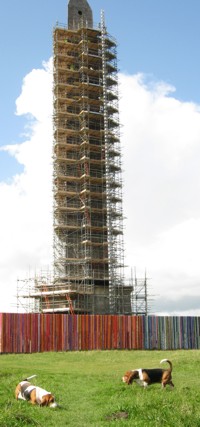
(145, 377)
(33, 394)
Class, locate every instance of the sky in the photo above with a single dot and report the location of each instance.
(159, 69)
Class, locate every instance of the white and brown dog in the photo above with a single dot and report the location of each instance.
(146, 377)
(35, 395)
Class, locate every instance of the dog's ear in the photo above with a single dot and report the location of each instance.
(131, 377)
(47, 399)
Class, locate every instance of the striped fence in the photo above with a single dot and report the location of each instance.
(27, 333)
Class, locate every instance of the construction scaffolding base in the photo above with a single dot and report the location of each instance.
(42, 294)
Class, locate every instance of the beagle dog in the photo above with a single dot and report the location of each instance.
(146, 377)
(35, 395)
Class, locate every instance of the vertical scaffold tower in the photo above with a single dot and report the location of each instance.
(88, 217)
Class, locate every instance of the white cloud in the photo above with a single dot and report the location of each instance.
(160, 139)
(36, 99)
(26, 202)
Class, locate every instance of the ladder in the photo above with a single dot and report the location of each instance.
(71, 309)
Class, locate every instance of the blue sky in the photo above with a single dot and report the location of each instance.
(159, 38)
(158, 45)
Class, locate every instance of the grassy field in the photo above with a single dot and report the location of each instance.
(89, 390)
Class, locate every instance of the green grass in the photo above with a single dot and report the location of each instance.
(89, 390)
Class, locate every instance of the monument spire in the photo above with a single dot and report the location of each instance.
(79, 14)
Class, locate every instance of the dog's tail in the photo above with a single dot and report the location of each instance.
(28, 378)
(167, 361)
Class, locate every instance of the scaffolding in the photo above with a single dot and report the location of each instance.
(88, 218)
(88, 243)
(39, 293)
